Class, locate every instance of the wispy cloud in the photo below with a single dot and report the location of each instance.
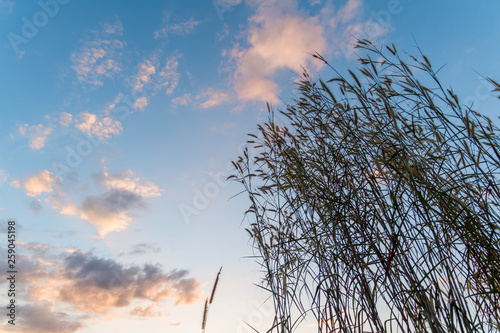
(3, 176)
(152, 78)
(209, 98)
(223, 128)
(7, 6)
(347, 25)
(180, 28)
(141, 248)
(182, 100)
(98, 58)
(65, 119)
(146, 312)
(36, 134)
(169, 76)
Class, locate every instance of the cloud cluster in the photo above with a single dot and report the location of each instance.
(97, 58)
(109, 211)
(62, 289)
(152, 78)
(146, 70)
(99, 127)
(96, 284)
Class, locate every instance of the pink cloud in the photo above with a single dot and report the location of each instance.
(61, 289)
(99, 127)
(98, 58)
(42, 182)
(111, 211)
(279, 38)
(210, 98)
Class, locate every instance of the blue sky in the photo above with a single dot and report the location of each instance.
(118, 123)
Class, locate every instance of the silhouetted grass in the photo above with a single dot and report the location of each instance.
(376, 203)
(209, 301)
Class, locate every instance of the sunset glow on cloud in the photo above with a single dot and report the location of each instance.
(119, 124)
(63, 289)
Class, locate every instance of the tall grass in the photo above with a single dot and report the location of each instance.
(208, 302)
(375, 206)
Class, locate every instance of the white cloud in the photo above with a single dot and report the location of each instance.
(36, 134)
(180, 28)
(211, 98)
(96, 59)
(102, 128)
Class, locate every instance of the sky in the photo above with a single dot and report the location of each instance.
(118, 123)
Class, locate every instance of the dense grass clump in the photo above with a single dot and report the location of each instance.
(375, 205)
